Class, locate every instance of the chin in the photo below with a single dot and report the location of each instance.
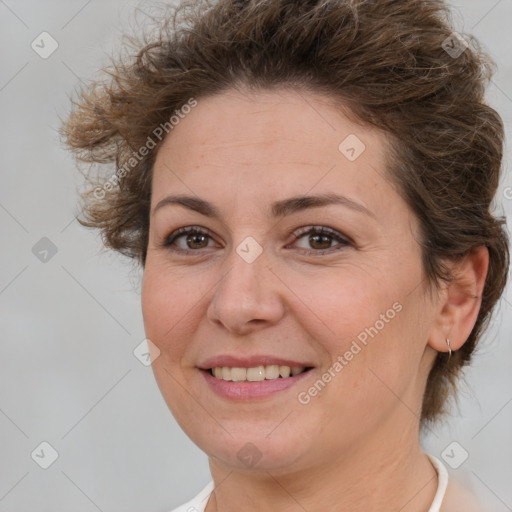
(252, 449)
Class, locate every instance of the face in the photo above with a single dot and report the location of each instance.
(255, 278)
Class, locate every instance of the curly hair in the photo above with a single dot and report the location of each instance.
(397, 66)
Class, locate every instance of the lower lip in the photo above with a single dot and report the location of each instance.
(251, 390)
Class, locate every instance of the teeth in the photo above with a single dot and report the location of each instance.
(284, 371)
(257, 373)
(238, 374)
(296, 369)
(272, 371)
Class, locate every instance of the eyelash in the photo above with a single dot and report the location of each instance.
(307, 230)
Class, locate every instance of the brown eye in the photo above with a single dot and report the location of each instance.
(194, 239)
(320, 239)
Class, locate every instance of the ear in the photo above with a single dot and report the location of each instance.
(460, 301)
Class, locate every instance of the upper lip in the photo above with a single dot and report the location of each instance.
(249, 362)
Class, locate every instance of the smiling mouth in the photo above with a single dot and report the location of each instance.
(257, 373)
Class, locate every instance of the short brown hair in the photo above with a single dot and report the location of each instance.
(386, 61)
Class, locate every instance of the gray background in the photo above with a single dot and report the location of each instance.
(68, 375)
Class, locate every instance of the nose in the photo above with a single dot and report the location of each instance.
(248, 296)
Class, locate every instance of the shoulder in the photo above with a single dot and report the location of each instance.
(458, 497)
(198, 502)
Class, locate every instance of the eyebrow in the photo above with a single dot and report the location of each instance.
(280, 208)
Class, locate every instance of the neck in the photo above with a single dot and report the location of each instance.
(389, 472)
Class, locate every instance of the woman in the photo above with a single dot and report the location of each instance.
(307, 187)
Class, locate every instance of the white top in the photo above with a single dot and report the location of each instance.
(198, 503)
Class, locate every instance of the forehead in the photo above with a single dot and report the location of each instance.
(275, 120)
(271, 145)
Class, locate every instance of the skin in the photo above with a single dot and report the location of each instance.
(354, 446)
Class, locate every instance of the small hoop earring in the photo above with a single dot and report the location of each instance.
(449, 348)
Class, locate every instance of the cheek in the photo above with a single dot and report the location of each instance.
(165, 308)
(165, 313)
(342, 304)
(366, 323)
